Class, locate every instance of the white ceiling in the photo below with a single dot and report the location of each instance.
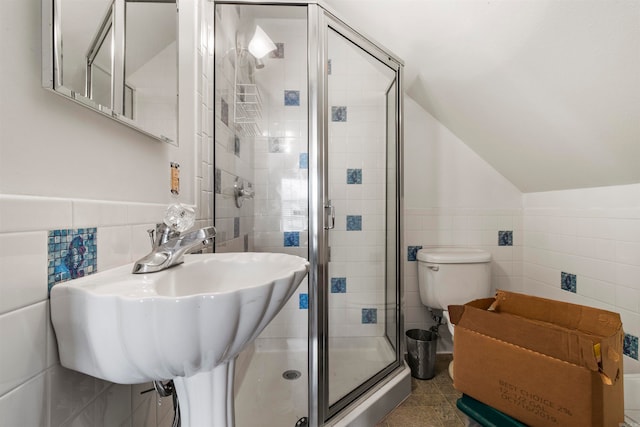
(546, 91)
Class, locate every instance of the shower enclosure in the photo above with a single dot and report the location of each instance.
(307, 132)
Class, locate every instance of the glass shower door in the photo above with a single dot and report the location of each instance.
(363, 244)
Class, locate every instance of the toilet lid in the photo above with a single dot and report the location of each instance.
(453, 255)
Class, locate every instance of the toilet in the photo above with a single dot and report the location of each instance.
(452, 276)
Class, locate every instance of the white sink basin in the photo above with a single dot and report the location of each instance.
(186, 323)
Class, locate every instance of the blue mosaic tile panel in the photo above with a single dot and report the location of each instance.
(279, 52)
(71, 254)
(291, 98)
(224, 112)
(236, 227)
(568, 282)
(369, 315)
(217, 182)
(412, 252)
(354, 176)
(505, 238)
(291, 238)
(303, 302)
(236, 146)
(304, 161)
(354, 222)
(338, 285)
(329, 67)
(630, 346)
(338, 114)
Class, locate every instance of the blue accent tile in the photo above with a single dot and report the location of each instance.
(236, 146)
(279, 52)
(354, 222)
(291, 98)
(412, 252)
(369, 315)
(630, 346)
(354, 176)
(329, 67)
(505, 238)
(217, 182)
(73, 255)
(291, 238)
(304, 161)
(276, 145)
(338, 285)
(568, 282)
(224, 112)
(236, 227)
(338, 114)
(303, 303)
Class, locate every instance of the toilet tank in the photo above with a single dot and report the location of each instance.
(453, 276)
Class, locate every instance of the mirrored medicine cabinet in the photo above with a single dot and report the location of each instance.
(117, 57)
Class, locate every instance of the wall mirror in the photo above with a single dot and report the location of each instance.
(117, 57)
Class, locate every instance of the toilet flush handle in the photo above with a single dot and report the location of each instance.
(434, 267)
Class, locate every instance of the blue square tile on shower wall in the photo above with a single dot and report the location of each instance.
(568, 282)
(224, 112)
(338, 285)
(278, 53)
(505, 238)
(369, 315)
(354, 222)
(630, 346)
(236, 227)
(71, 254)
(339, 114)
(291, 98)
(304, 161)
(412, 252)
(291, 238)
(354, 176)
(303, 301)
(236, 146)
(217, 183)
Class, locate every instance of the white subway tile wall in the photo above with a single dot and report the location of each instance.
(594, 235)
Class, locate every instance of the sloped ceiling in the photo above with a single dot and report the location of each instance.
(546, 91)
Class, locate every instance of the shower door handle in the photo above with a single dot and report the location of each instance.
(330, 221)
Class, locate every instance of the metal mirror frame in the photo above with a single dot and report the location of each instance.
(52, 63)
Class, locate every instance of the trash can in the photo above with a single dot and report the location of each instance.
(421, 353)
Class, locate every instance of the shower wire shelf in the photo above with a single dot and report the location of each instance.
(248, 109)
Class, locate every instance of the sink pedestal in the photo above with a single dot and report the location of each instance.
(206, 399)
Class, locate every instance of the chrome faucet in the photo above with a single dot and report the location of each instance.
(170, 246)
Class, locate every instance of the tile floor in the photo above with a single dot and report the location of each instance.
(432, 403)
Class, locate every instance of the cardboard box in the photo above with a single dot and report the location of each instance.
(546, 363)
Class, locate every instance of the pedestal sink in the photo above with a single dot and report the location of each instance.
(187, 323)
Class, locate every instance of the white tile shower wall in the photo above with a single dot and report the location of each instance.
(280, 206)
(64, 167)
(233, 144)
(357, 168)
(594, 234)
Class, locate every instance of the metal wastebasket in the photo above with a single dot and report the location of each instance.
(421, 353)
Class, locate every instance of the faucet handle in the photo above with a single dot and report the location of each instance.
(179, 217)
